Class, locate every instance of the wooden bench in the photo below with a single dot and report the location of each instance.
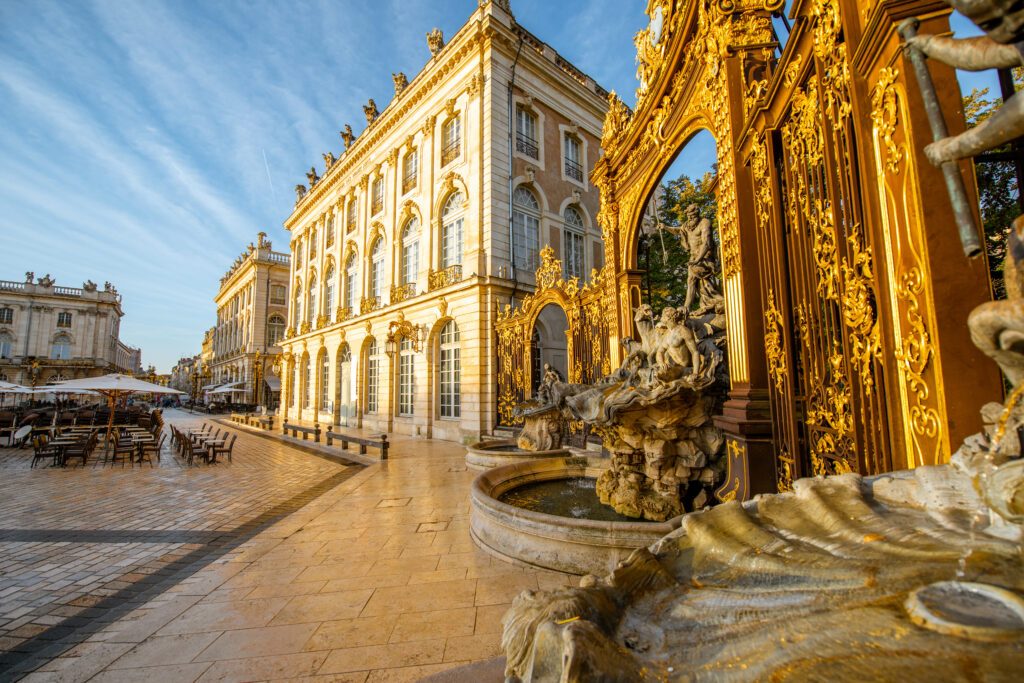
(379, 441)
(305, 431)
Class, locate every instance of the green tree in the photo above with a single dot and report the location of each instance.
(662, 255)
(997, 187)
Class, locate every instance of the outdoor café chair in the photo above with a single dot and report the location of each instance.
(222, 449)
(83, 448)
(146, 450)
(41, 449)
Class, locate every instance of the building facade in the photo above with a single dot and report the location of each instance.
(50, 333)
(429, 221)
(252, 311)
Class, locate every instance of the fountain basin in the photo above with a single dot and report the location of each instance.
(485, 455)
(560, 543)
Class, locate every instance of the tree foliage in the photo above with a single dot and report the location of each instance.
(662, 255)
(997, 187)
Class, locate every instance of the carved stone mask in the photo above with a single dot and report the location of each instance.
(1002, 20)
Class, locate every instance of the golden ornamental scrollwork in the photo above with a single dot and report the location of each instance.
(786, 470)
(615, 122)
(884, 116)
(549, 272)
(830, 417)
(914, 353)
(774, 343)
(858, 306)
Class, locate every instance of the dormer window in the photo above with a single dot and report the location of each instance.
(526, 132)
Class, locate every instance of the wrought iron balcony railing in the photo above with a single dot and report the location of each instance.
(442, 278)
(400, 293)
(527, 145)
(573, 170)
(368, 304)
(450, 152)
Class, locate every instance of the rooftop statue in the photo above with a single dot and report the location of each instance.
(435, 41)
(29, 277)
(401, 82)
(89, 286)
(370, 109)
(300, 192)
(312, 177)
(346, 136)
(328, 160)
(45, 281)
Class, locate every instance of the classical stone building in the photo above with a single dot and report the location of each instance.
(252, 310)
(51, 333)
(183, 372)
(401, 251)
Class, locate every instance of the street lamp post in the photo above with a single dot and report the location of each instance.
(257, 371)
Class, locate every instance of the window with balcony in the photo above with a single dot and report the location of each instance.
(526, 133)
(572, 251)
(275, 329)
(312, 244)
(573, 158)
(60, 349)
(451, 140)
(311, 310)
(351, 283)
(410, 251)
(63, 320)
(6, 345)
(406, 377)
(307, 380)
(525, 228)
(410, 170)
(451, 231)
(325, 379)
(329, 293)
(350, 215)
(378, 196)
(377, 271)
(297, 308)
(6, 316)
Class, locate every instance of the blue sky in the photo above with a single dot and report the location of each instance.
(146, 142)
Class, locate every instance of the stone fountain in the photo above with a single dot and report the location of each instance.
(914, 575)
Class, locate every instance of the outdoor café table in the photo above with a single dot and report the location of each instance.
(60, 445)
(138, 440)
(209, 445)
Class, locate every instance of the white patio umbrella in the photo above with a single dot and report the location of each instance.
(114, 387)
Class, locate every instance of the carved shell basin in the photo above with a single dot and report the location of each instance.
(807, 585)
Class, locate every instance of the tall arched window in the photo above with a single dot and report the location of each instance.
(307, 380)
(525, 228)
(296, 386)
(451, 368)
(312, 244)
(406, 376)
(329, 293)
(297, 308)
(325, 380)
(275, 329)
(6, 343)
(351, 283)
(410, 250)
(372, 376)
(60, 349)
(377, 271)
(311, 310)
(451, 231)
(572, 251)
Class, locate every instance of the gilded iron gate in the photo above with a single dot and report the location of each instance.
(586, 337)
(822, 335)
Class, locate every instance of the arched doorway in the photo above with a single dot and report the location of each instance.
(345, 391)
(549, 344)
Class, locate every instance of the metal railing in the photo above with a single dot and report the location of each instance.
(573, 170)
(442, 278)
(450, 152)
(527, 145)
(400, 293)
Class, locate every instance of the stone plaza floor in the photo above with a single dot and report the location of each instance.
(283, 564)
